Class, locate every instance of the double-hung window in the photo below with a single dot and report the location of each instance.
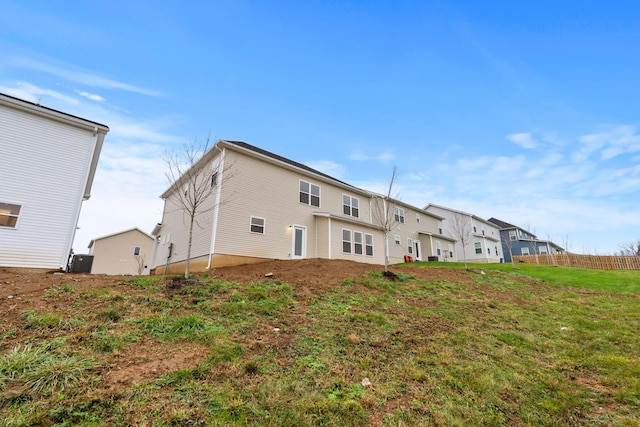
(346, 241)
(396, 239)
(357, 243)
(410, 246)
(398, 214)
(136, 250)
(9, 214)
(478, 247)
(438, 248)
(309, 194)
(368, 244)
(350, 206)
(257, 225)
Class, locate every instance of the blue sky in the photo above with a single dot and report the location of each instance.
(524, 112)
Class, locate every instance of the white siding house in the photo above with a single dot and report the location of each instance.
(264, 206)
(47, 163)
(484, 245)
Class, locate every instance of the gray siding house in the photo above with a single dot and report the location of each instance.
(517, 241)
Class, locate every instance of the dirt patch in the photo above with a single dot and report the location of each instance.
(143, 364)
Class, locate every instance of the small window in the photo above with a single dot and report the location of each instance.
(512, 235)
(368, 244)
(497, 251)
(257, 225)
(357, 243)
(309, 194)
(9, 215)
(215, 166)
(439, 227)
(417, 217)
(350, 206)
(438, 251)
(346, 241)
(483, 231)
(398, 214)
(478, 247)
(396, 239)
(475, 230)
(136, 250)
(525, 251)
(409, 246)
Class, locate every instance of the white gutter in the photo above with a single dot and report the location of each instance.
(216, 208)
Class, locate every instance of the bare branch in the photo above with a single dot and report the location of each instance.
(461, 230)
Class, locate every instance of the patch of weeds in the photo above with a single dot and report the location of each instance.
(111, 314)
(105, 342)
(50, 321)
(170, 328)
(225, 352)
(42, 372)
(11, 332)
(59, 290)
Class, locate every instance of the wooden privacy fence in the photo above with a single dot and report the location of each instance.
(596, 262)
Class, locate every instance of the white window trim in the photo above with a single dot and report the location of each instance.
(398, 214)
(344, 241)
(355, 243)
(409, 246)
(351, 205)
(16, 216)
(139, 251)
(251, 225)
(366, 245)
(396, 239)
(310, 193)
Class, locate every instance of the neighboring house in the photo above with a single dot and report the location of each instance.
(126, 252)
(484, 242)
(47, 163)
(518, 241)
(264, 206)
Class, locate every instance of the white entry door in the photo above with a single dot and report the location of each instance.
(299, 249)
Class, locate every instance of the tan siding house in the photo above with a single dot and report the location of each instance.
(264, 206)
(126, 252)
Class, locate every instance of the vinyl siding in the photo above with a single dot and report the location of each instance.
(114, 254)
(46, 163)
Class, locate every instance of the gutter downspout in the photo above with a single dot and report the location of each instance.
(216, 208)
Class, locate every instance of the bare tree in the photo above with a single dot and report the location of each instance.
(139, 265)
(565, 245)
(384, 216)
(630, 248)
(509, 243)
(194, 184)
(461, 231)
(533, 242)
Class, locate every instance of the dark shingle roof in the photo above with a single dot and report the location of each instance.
(285, 160)
(502, 224)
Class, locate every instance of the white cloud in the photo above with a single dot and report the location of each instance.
(91, 96)
(33, 93)
(69, 72)
(524, 140)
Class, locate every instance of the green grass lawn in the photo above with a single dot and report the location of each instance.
(513, 346)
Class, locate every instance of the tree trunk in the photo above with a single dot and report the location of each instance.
(186, 270)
